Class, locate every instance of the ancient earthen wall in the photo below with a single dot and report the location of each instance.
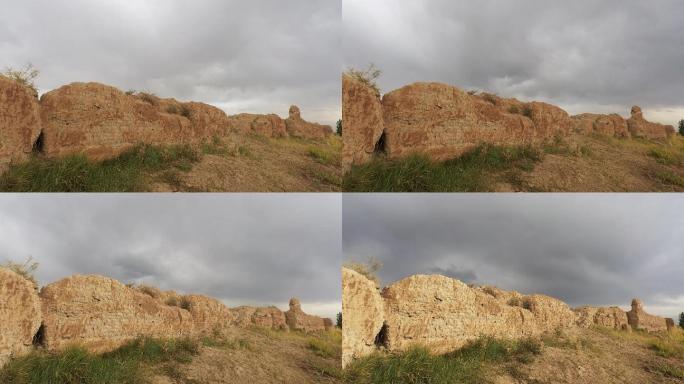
(19, 122)
(443, 122)
(444, 314)
(298, 127)
(362, 121)
(265, 317)
(363, 315)
(611, 317)
(102, 314)
(639, 319)
(298, 320)
(20, 315)
(101, 122)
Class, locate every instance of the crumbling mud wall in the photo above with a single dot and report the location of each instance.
(443, 122)
(444, 314)
(102, 314)
(639, 319)
(264, 317)
(639, 127)
(101, 122)
(611, 317)
(19, 122)
(298, 320)
(363, 316)
(20, 315)
(298, 127)
(362, 122)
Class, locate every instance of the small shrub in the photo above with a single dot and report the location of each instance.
(131, 92)
(172, 109)
(670, 178)
(526, 111)
(26, 76)
(368, 76)
(149, 291)
(171, 301)
(185, 303)
(490, 98)
(514, 109)
(369, 269)
(149, 98)
(26, 269)
(514, 302)
(185, 111)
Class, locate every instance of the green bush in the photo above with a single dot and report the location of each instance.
(418, 173)
(76, 173)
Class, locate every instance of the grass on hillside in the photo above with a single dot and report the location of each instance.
(664, 344)
(130, 364)
(418, 173)
(419, 366)
(76, 173)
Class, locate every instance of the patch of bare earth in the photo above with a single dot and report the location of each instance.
(258, 356)
(594, 356)
(602, 164)
(251, 163)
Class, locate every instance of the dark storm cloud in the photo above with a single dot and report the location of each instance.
(585, 55)
(243, 249)
(584, 249)
(243, 56)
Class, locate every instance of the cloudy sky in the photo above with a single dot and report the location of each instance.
(585, 55)
(600, 249)
(243, 56)
(251, 249)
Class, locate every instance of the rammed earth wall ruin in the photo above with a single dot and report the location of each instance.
(101, 314)
(102, 122)
(444, 314)
(443, 122)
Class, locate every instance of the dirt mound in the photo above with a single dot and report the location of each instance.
(20, 314)
(298, 320)
(19, 122)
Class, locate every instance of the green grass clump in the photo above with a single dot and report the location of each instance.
(323, 156)
(664, 156)
(322, 348)
(670, 178)
(77, 173)
(669, 371)
(418, 173)
(419, 366)
(127, 365)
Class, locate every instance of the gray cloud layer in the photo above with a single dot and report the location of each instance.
(243, 56)
(584, 55)
(584, 249)
(242, 248)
